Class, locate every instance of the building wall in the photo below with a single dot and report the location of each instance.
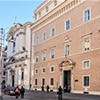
(78, 31)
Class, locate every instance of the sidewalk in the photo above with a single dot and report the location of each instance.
(73, 96)
(38, 95)
(7, 97)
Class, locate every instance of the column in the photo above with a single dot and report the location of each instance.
(61, 78)
(72, 79)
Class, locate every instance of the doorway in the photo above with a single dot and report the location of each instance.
(13, 80)
(67, 80)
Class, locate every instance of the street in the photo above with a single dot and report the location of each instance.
(36, 95)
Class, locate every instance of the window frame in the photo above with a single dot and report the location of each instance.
(88, 60)
(84, 18)
(44, 56)
(86, 37)
(43, 71)
(37, 58)
(36, 82)
(67, 49)
(83, 81)
(51, 54)
(36, 70)
(52, 31)
(51, 82)
(44, 81)
(37, 40)
(45, 37)
(69, 25)
(53, 69)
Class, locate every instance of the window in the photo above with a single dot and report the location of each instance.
(37, 40)
(44, 56)
(67, 50)
(35, 16)
(52, 81)
(87, 15)
(39, 14)
(47, 9)
(44, 36)
(68, 25)
(86, 64)
(22, 75)
(43, 70)
(36, 71)
(13, 46)
(36, 81)
(43, 81)
(55, 3)
(52, 54)
(52, 32)
(86, 44)
(86, 80)
(37, 58)
(52, 69)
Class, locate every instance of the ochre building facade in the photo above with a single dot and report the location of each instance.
(67, 45)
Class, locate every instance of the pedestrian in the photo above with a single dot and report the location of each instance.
(59, 93)
(47, 88)
(22, 91)
(16, 92)
(42, 88)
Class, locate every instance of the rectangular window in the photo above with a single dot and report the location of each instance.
(52, 81)
(47, 9)
(67, 50)
(52, 32)
(37, 40)
(44, 36)
(68, 25)
(52, 54)
(86, 44)
(86, 80)
(44, 56)
(36, 71)
(87, 15)
(43, 81)
(52, 69)
(86, 64)
(39, 14)
(37, 58)
(43, 70)
(55, 2)
(36, 81)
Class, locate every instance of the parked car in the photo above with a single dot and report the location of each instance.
(9, 90)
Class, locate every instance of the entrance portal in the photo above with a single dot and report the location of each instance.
(13, 80)
(67, 80)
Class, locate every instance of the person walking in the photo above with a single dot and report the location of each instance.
(47, 88)
(22, 91)
(59, 93)
(16, 92)
(42, 87)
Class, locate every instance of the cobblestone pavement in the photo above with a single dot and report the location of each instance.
(52, 96)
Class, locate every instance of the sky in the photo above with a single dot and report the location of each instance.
(17, 10)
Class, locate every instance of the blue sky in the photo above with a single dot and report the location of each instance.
(21, 9)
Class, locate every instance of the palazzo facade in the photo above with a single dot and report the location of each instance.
(66, 44)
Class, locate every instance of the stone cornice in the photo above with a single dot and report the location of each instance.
(61, 9)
